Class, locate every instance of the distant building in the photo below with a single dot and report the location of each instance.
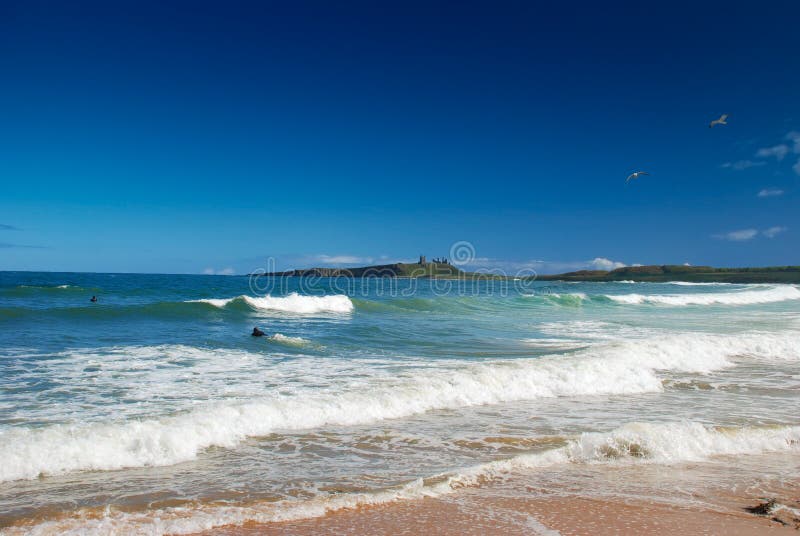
(437, 260)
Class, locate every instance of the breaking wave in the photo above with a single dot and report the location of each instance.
(293, 303)
(289, 341)
(613, 368)
(665, 443)
(769, 295)
(741, 297)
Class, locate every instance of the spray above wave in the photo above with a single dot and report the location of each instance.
(665, 443)
(616, 368)
(292, 303)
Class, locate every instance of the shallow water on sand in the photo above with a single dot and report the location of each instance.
(155, 411)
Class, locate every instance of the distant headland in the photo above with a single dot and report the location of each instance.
(436, 268)
(441, 268)
(680, 272)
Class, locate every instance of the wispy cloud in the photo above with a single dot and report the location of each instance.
(224, 271)
(744, 235)
(770, 192)
(738, 236)
(772, 232)
(6, 227)
(794, 137)
(742, 164)
(778, 151)
(343, 259)
(543, 266)
(6, 245)
(601, 263)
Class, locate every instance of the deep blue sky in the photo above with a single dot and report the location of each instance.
(180, 137)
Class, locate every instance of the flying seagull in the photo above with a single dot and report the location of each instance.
(721, 121)
(635, 175)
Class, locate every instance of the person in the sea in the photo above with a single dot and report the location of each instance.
(257, 333)
(94, 299)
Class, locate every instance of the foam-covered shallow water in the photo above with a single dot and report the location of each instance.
(155, 411)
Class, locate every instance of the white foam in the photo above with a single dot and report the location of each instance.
(216, 302)
(555, 344)
(292, 303)
(770, 295)
(618, 367)
(664, 443)
(291, 341)
(696, 284)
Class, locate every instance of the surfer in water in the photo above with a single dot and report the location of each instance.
(94, 299)
(257, 333)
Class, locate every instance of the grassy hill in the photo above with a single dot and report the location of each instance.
(668, 272)
(697, 274)
(430, 269)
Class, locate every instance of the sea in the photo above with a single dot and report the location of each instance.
(154, 410)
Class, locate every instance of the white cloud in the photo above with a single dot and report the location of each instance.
(543, 266)
(324, 260)
(772, 232)
(778, 151)
(343, 259)
(742, 164)
(770, 192)
(224, 271)
(738, 236)
(601, 263)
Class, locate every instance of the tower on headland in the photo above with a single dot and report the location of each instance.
(422, 260)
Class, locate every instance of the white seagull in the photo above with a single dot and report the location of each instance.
(635, 175)
(721, 121)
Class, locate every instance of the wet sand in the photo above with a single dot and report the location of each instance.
(473, 514)
(708, 498)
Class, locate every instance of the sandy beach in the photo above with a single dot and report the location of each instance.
(688, 499)
(477, 514)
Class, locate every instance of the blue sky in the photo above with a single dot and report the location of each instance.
(188, 137)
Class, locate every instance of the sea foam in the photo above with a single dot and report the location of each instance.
(636, 442)
(745, 297)
(613, 368)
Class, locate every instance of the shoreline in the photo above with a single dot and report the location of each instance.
(713, 497)
(481, 513)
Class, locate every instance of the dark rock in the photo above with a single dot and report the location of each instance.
(762, 509)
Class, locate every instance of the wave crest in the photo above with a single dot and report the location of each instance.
(615, 368)
(746, 297)
(292, 303)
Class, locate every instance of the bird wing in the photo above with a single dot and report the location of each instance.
(723, 117)
(631, 176)
(642, 173)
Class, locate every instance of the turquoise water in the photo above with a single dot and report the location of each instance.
(155, 403)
